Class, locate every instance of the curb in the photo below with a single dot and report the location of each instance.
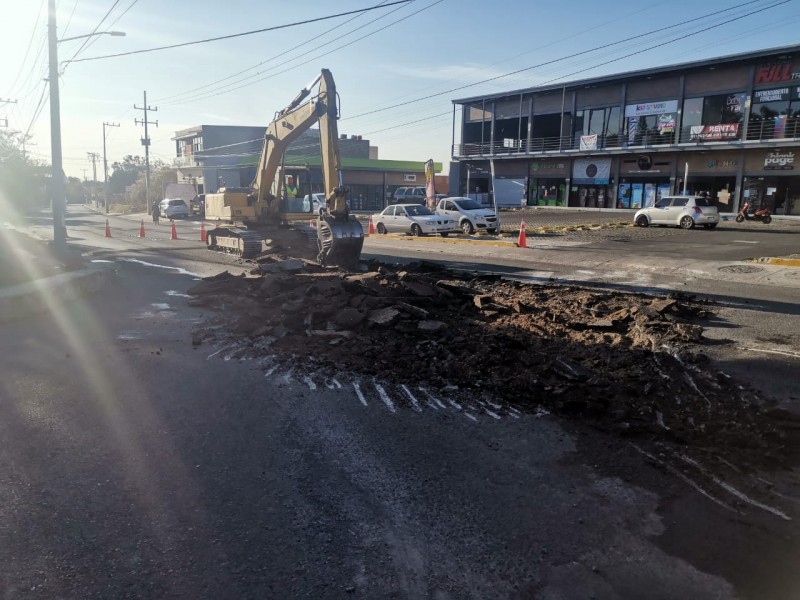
(41, 294)
(440, 240)
(782, 262)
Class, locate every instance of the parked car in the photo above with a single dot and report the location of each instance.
(469, 214)
(413, 219)
(314, 203)
(173, 207)
(683, 211)
(409, 195)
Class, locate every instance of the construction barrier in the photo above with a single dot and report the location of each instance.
(108, 229)
(522, 242)
(174, 231)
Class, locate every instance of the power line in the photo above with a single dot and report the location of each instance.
(64, 32)
(576, 54)
(315, 38)
(89, 37)
(96, 38)
(212, 93)
(28, 49)
(235, 35)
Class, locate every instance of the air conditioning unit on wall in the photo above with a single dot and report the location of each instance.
(412, 177)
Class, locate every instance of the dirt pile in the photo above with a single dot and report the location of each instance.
(623, 360)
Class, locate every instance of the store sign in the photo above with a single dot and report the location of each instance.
(588, 142)
(409, 177)
(547, 166)
(666, 123)
(715, 133)
(644, 162)
(778, 95)
(775, 73)
(779, 161)
(651, 108)
(721, 164)
(734, 102)
(591, 171)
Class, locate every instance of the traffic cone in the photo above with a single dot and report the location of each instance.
(141, 229)
(108, 229)
(174, 231)
(522, 242)
(312, 224)
(371, 229)
(202, 231)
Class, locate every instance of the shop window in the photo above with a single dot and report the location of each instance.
(603, 122)
(774, 115)
(713, 118)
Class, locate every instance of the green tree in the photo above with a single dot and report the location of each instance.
(125, 173)
(22, 180)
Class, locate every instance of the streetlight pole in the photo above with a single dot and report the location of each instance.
(57, 198)
(105, 162)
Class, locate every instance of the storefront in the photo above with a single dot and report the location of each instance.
(643, 179)
(590, 183)
(714, 173)
(547, 182)
(771, 180)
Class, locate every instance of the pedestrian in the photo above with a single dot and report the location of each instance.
(156, 212)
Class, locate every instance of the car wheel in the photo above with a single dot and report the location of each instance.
(467, 227)
(687, 222)
(642, 221)
(445, 234)
(710, 225)
(416, 230)
(767, 220)
(492, 231)
(381, 229)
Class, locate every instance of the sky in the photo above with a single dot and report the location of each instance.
(420, 55)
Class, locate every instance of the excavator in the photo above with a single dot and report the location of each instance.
(243, 214)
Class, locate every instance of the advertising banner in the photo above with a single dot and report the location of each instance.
(589, 142)
(430, 192)
(636, 195)
(591, 171)
(666, 123)
(779, 161)
(649, 194)
(624, 195)
(778, 95)
(715, 133)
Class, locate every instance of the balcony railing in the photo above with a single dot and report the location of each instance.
(186, 161)
(766, 130)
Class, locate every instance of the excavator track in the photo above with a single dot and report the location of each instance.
(234, 240)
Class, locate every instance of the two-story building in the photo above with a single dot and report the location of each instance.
(214, 156)
(729, 126)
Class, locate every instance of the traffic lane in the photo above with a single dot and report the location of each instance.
(183, 472)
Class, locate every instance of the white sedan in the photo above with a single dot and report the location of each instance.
(413, 219)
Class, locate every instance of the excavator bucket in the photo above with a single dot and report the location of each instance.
(339, 240)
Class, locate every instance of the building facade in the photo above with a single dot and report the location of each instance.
(728, 126)
(213, 156)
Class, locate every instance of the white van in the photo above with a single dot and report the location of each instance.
(469, 215)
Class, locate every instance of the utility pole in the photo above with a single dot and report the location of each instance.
(105, 163)
(93, 156)
(84, 175)
(57, 183)
(146, 144)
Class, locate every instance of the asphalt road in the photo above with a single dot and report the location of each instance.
(135, 465)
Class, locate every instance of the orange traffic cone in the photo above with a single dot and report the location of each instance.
(312, 224)
(141, 229)
(202, 231)
(174, 231)
(371, 229)
(108, 229)
(522, 242)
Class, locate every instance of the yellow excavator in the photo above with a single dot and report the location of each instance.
(243, 214)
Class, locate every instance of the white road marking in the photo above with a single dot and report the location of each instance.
(733, 491)
(454, 404)
(336, 383)
(768, 351)
(745, 242)
(177, 294)
(213, 354)
(411, 397)
(287, 377)
(310, 383)
(271, 371)
(432, 398)
(492, 414)
(470, 416)
(357, 388)
(384, 396)
(149, 264)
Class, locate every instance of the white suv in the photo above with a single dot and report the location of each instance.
(684, 211)
(469, 215)
(173, 207)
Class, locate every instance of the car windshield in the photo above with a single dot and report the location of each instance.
(176, 203)
(468, 204)
(417, 211)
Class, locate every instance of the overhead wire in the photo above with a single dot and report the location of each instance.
(66, 27)
(28, 49)
(300, 45)
(244, 33)
(89, 37)
(96, 39)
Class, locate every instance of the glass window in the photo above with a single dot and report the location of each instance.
(663, 203)
(692, 112)
(680, 202)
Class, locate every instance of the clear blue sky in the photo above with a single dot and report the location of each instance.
(380, 58)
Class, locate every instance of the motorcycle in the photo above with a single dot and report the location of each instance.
(745, 214)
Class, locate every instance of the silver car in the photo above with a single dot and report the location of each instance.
(173, 207)
(413, 219)
(683, 211)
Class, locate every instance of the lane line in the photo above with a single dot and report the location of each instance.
(414, 402)
(384, 396)
(359, 394)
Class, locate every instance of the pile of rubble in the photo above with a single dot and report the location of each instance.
(626, 361)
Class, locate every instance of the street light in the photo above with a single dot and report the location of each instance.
(58, 199)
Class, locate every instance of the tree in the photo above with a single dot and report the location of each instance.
(22, 180)
(125, 173)
(160, 176)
